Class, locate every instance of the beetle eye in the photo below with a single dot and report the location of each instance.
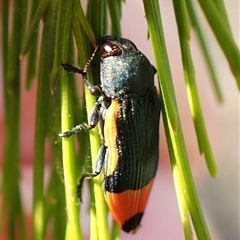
(109, 49)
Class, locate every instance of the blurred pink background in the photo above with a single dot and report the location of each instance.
(219, 197)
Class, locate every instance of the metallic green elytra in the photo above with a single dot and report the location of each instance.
(128, 112)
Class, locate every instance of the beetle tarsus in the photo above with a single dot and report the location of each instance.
(70, 68)
(74, 130)
(79, 186)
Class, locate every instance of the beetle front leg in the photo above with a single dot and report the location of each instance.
(94, 90)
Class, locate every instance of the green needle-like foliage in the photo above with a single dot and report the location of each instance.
(44, 34)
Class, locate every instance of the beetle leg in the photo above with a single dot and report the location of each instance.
(94, 90)
(94, 119)
(98, 168)
(70, 68)
(72, 131)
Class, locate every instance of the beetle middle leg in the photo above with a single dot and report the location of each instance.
(95, 91)
(68, 133)
(94, 119)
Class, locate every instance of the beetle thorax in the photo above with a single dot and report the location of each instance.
(121, 75)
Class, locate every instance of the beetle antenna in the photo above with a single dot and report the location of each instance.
(84, 74)
(68, 67)
(90, 60)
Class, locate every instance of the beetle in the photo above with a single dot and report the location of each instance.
(128, 113)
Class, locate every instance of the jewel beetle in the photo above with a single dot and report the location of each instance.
(128, 112)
